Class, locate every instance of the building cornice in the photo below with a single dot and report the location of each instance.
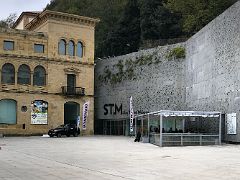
(24, 33)
(41, 58)
(60, 16)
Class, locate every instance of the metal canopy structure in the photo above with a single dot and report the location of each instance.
(167, 113)
(182, 137)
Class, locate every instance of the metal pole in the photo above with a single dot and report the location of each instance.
(148, 128)
(136, 124)
(183, 130)
(182, 139)
(161, 122)
(123, 127)
(110, 127)
(200, 140)
(220, 129)
(183, 125)
(142, 126)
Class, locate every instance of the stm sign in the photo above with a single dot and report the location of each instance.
(112, 109)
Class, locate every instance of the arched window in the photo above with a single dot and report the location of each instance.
(71, 48)
(62, 47)
(8, 74)
(8, 111)
(79, 49)
(24, 75)
(39, 76)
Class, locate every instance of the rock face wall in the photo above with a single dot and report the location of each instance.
(208, 79)
(212, 66)
(151, 77)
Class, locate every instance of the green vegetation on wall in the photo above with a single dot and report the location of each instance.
(126, 71)
(176, 53)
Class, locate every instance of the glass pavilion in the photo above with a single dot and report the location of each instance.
(179, 128)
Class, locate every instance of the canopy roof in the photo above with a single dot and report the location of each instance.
(167, 113)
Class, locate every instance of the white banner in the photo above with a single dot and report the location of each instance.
(131, 115)
(231, 123)
(85, 115)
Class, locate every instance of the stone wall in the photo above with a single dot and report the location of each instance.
(55, 113)
(151, 77)
(56, 73)
(212, 66)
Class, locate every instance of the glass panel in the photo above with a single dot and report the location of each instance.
(71, 80)
(71, 48)
(79, 49)
(24, 75)
(38, 48)
(8, 113)
(169, 125)
(39, 76)
(8, 45)
(8, 74)
(62, 47)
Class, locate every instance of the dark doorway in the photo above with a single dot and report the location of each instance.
(71, 112)
(114, 127)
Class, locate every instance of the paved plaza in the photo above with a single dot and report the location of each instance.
(113, 158)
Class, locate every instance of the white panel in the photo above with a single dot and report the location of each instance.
(231, 123)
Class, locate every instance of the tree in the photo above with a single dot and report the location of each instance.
(125, 38)
(156, 21)
(109, 12)
(197, 13)
(125, 23)
(9, 21)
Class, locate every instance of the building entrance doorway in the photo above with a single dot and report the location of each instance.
(71, 112)
(114, 127)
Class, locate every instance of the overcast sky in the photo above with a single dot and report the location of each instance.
(17, 6)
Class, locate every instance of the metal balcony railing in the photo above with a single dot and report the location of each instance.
(73, 91)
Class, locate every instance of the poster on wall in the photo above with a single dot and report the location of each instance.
(231, 123)
(39, 111)
(85, 114)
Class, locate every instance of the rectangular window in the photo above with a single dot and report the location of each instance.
(38, 48)
(8, 45)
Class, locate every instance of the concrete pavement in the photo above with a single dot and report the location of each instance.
(113, 158)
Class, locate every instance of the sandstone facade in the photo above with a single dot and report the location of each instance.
(47, 29)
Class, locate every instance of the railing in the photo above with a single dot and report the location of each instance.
(73, 91)
(184, 139)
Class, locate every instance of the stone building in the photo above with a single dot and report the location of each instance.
(46, 72)
(207, 78)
